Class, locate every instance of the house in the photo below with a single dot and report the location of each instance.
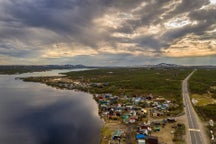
(157, 128)
(144, 128)
(144, 111)
(160, 99)
(164, 106)
(117, 134)
(144, 131)
(135, 108)
(100, 97)
(133, 113)
(114, 99)
(125, 118)
(132, 120)
(152, 140)
(149, 97)
(129, 107)
(140, 136)
(104, 102)
(99, 85)
(211, 123)
(156, 113)
(171, 120)
(155, 104)
(119, 108)
(141, 141)
(103, 107)
(156, 122)
(107, 96)
(137, 100)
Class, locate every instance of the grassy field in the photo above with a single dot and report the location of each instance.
(166, 82)
(202, 86)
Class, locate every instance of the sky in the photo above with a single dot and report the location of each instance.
(107, 32)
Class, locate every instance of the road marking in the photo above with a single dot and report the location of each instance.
(195, 130)
(196, 138)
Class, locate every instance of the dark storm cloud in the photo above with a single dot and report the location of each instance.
(65, 16)
(151, 13)
(4, 46)
(149, 42)
(20, 53)
(188, 6)
(206, 19)
(43, 23)
(13, 51)
(71, 19)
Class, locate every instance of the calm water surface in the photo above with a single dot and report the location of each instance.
(33, 113)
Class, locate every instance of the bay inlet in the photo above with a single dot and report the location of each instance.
(33, 113)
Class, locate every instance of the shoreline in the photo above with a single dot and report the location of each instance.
(111, 123)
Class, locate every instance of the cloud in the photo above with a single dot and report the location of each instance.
(32, 28)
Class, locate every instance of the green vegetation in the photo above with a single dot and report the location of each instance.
(179, 134)
(203, 99)
(106, 132)
(202, 84)
(127, 83)
(134, 81)
(203, 81)
(207, 112)
(165, 82)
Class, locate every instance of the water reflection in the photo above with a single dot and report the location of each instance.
(32, 113)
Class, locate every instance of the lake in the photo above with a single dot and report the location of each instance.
(33, 113)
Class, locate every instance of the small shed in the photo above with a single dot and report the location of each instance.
(140, 136)
(125, 118)
(144, 110)
(117, 134)
(154, 114)
(152, 140)
(211, 123)
(132, 120)
(171, 120)
(157, 128)
(141, 141)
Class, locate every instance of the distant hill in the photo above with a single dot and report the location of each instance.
(17, 69)
(166, 65)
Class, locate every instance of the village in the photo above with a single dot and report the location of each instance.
(145, 119)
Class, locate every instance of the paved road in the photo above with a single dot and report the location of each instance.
(196, 131)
